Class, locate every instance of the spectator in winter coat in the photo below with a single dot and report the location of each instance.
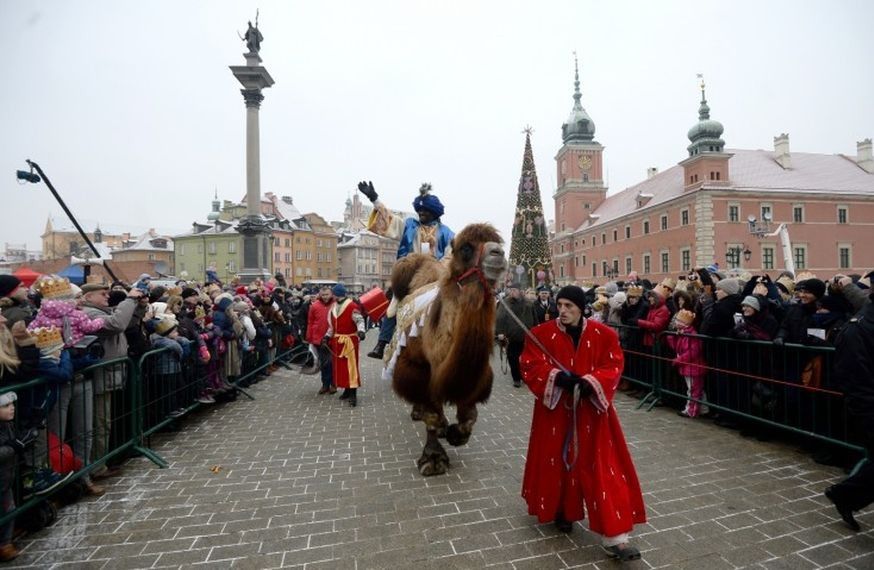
(14, 302)
(657, 317)
(690, 363)
(757, 323)
(799, 319)
(720, 320)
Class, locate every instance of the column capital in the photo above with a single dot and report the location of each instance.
(253, 97)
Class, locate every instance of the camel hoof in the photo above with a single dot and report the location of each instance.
(416, 415)
(456, 437)
(436, 467)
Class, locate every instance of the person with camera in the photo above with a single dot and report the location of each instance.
(99, 390)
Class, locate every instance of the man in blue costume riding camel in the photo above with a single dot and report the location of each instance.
(425, 234)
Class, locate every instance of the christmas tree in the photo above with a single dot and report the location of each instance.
(530, 261)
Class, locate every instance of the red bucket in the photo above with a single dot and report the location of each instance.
(375, 303)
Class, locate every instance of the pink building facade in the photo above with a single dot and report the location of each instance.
(699, 212)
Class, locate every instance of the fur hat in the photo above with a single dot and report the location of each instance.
(427, 201)
(573, 294)
(634, 291)
(55, 288)
(751, 301)
(189, 292)
(728, 286)
(812, 285)
(686, 317)
(7, 398)
(8, 284)
(787, 284)
(669, 283)
(165, 325)
(91, 287)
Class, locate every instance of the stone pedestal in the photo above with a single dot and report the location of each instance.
(256, 233)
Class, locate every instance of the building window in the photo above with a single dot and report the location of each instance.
(733, 213)
(287, 257)
(603, 238)
(665, 259)
(798, 214)
(287, 242)
(151, 257)
(766, 213)
(767, 258)
(627, 265)
(615, 235)
(615, 267)
(646, 227)
(562, 248)
(842, 214)
(594, 269)
(232, 246)
(286, 271)
(664, 222)
(800, 257)
(646, 265)
(627, 232)
(844, 257)
(684, 217)
(594, 241)
(211, 248)
(232, 266)
(276, 256)
(587, 206)
(275, 242)
(299, 255)
(604, 268)
(576, 261)
(561, 271)
(182, 249)
(584, 259)
(685, 260)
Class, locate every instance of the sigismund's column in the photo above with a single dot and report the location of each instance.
(256, 233)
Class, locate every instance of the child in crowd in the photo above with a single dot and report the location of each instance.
(58, 309)
(9, 447)
(690, 363)
(168, 383)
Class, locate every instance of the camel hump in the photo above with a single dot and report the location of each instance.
(413, 272)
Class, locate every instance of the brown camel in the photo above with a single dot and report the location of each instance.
(446, 321)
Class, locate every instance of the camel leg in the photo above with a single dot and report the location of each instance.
(459, 434)
(434, 460)
(418, 413)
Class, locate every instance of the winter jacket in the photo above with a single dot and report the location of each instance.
(64, 315)
(317, 321)
(170, 361)
(656, 320)
(116, 319)
(798, 318)
(854, 366)
(689, 350)
(720, 320)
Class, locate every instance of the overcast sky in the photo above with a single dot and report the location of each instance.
(131, 109)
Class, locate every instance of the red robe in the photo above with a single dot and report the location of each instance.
(603, 477)
(344, 344)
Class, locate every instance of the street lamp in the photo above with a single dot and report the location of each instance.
(732, 255)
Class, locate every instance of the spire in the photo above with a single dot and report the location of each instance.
(216, 207)
(577, 95)
(529, 248)
(579, 127)
(706, 134)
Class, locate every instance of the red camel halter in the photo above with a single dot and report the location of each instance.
(475, 270)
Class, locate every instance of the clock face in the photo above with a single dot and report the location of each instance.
(585, 162)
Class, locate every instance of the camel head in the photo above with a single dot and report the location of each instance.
(478, 250)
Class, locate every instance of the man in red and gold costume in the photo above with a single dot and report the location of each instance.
(578, 460)
(345, 332)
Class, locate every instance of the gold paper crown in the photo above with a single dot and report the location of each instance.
(47, 337)
(55, 288)
(686, 316)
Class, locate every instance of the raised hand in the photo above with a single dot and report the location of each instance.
(367, 189)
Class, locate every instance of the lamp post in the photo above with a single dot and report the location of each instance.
(733, 255)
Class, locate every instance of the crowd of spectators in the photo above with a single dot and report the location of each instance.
(77, 340)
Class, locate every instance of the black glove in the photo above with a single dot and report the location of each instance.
(324, 343)
(778, 341)
(361, 335)
(567, 380)
(367, 189)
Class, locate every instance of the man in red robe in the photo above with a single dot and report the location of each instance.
(345, 332)
(578, 459)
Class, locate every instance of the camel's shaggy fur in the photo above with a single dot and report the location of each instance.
(449, 361)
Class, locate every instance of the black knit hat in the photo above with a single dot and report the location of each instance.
(8, 284)
(189, 292)
(812, 285)
(573, 294)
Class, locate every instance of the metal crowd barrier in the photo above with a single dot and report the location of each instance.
(759, 384)
(110, 410)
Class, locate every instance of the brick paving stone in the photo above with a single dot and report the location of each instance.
(309, 483)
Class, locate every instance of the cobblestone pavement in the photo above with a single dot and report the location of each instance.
(303, 481)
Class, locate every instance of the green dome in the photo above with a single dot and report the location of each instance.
(579, 125)
(706, 134)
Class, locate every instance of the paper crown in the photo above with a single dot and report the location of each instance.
(55, 288)
(47, 337)
(685, 316)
